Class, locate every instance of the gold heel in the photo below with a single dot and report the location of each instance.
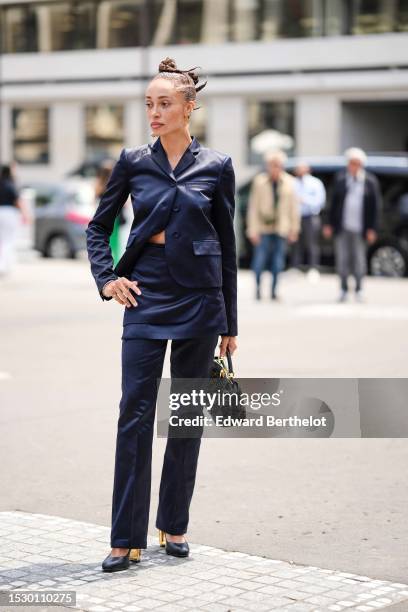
(135, 555)
(162, 538)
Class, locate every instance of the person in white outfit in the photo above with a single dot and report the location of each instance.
(11, 214)
(312, 196)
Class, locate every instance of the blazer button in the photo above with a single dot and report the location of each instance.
(176, 208)
(176, 234)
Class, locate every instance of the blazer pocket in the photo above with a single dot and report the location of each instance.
(205, 187)
(207, 247)
(199, 184)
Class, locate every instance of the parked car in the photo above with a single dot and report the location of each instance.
(62, 211)
(89, 168)
(388, 256)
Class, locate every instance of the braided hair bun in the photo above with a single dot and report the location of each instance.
(168, 65)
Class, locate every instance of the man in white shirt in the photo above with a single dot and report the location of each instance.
(312, 196)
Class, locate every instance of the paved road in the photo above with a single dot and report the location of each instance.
(333, 503)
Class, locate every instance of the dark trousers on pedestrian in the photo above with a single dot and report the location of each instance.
(308, 242)
(270, 252)
(142, 366)
(350, 249)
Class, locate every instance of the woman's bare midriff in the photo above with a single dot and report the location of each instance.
(159, 238)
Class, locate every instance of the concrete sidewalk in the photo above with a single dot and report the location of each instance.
(41, 552)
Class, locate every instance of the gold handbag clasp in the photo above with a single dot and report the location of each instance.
(224, 373)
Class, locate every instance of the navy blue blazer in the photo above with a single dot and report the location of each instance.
(194, 204)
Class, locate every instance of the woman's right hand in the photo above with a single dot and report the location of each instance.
(119, 290)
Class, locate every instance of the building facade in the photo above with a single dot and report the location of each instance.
(326, 73)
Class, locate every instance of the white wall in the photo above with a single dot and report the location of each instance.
(317, 124)
(67, 145)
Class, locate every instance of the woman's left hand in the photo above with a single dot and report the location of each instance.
(227, 342)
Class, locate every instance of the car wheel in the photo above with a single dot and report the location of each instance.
(59, 247)
(388, 259)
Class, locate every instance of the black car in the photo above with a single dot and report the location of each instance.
(388, 256)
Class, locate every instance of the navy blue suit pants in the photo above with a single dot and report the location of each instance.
(142, 365)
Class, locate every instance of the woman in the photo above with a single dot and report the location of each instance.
(11, 208)
(180, 285)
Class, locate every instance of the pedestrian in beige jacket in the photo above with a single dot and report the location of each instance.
(273, 218)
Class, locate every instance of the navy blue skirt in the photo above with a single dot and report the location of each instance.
(166, 309)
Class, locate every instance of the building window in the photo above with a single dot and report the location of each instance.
(215, 22)
(402, 16)
(336, 19)
(104, 130)
(372, 16)
(188, 22)
(30, 135)
(72, 25)
(88, 24)
(120, 23)
(271, 19)
(179, 22)
(244, 20)
(19, 29)
(270, 126)
(300, 18)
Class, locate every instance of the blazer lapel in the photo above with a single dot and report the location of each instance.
(159, 156)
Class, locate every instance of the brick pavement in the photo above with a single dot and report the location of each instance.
(40, 552)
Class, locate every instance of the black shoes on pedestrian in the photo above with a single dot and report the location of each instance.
(173, 548)
(258, 294)
(116, 564)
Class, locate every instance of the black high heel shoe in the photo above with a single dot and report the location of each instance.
(116, 564)
(173, 548)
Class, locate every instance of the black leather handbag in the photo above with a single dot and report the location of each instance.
(222, 381)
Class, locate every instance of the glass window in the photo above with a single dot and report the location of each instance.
(87, 24)
(245, 20)
(177, 22)
(272, 123)
(215, 22)
(120, 23)
(402, 16)
(44, 196)
(19, 29)
(104, 131)
(30, 134)
(188, 23)
(80, 195)
(72, 25)
(301, 18)
(372, 16)
(270, 19)
(336, 18)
